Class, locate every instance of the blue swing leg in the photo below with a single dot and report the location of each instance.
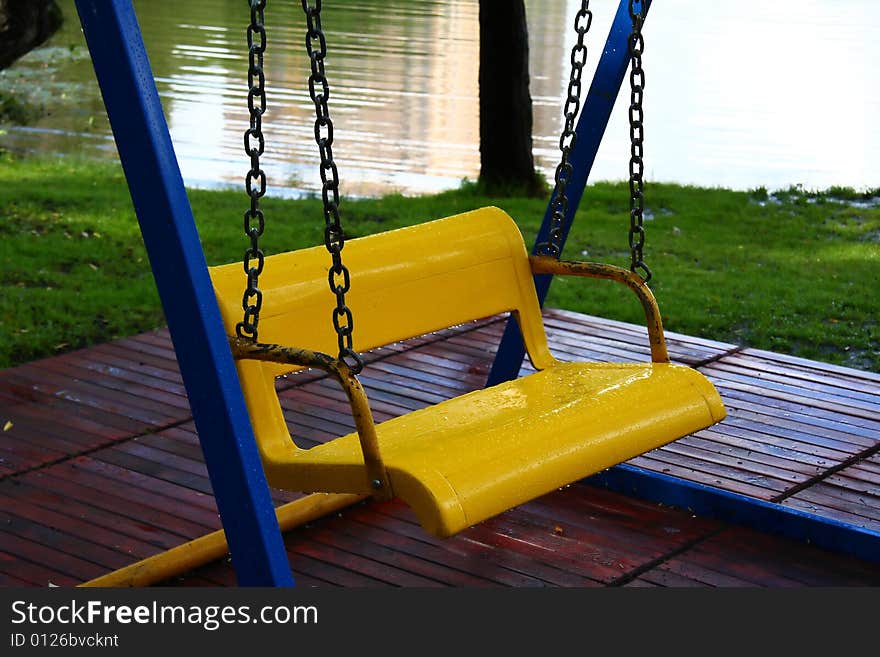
(590, 129)
(178, 263)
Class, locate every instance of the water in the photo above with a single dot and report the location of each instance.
(739, 95)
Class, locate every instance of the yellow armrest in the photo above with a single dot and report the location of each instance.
(548, 265)
(357, 398)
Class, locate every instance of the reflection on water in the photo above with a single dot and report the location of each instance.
(738, 94)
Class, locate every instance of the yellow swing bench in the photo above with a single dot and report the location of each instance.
(469, 458)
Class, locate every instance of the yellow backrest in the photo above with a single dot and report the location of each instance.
(404, 283)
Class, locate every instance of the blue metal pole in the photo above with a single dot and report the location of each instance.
(590, 129)
(179, 267)
(770, 517)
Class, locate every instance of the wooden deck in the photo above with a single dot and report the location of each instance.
(100, 466)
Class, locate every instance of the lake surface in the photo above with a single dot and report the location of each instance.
(741, 94)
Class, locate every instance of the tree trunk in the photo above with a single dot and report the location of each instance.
(24, 25)
(506, 161)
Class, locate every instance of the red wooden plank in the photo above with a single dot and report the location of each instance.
(441, 365)
(186, 500)
(21, 455)
(118, 508)
(669, 579)
(697, 573)
(333, 418)
(822, 397)
(795, 401)
(857, 430)
(140, 447)
(111, 412)
(71, 566)
(299, 545)
(767, 560)
(98, 536)
(581, 347)
(842, 384)
(374, 385)
(81, 512)
(456, 354)
(519, 534)
(457, 570)
(189, 580)
(35, 574)
(103, 357)
(854, 503)
(113, 379)
(830, 512)
(410, 376)
(721, 472)
(45, 433)
(142, 344)
(765, 438)
(158, 337)
(587, 505)
(318, 393)
(431, 559)
(689, 473)
(388, 394)
(863, 476)
(796, 361)
(414, 565)
(605, 323)
(16, 522)
(463, 553)
(641, 583)
(175, 441)
(632, 339)
(329, 572)
(327, 413)
(139, 359)
(716, 454)
(201, 512)
(124, 405)
(490, 559)
(470, 348)
(66, 419)
(148, 466)
(7, 580)
(857, 480)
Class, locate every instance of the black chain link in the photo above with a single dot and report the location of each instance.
(636, 137)
(255, 181)
(334, 237)
(553, 245)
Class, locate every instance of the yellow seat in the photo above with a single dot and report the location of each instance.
(469, 458)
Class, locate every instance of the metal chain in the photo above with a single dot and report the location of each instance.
(636, 137)
(559, 204)
(255, 181)
(334, 237)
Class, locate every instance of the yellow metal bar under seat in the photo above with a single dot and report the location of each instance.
(469, 458)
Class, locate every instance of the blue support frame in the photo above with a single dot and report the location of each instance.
(770, 517)
(590, 129)
(184, 285)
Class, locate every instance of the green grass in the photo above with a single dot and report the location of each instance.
(793, 271)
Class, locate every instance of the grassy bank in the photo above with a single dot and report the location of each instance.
(791, 271)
